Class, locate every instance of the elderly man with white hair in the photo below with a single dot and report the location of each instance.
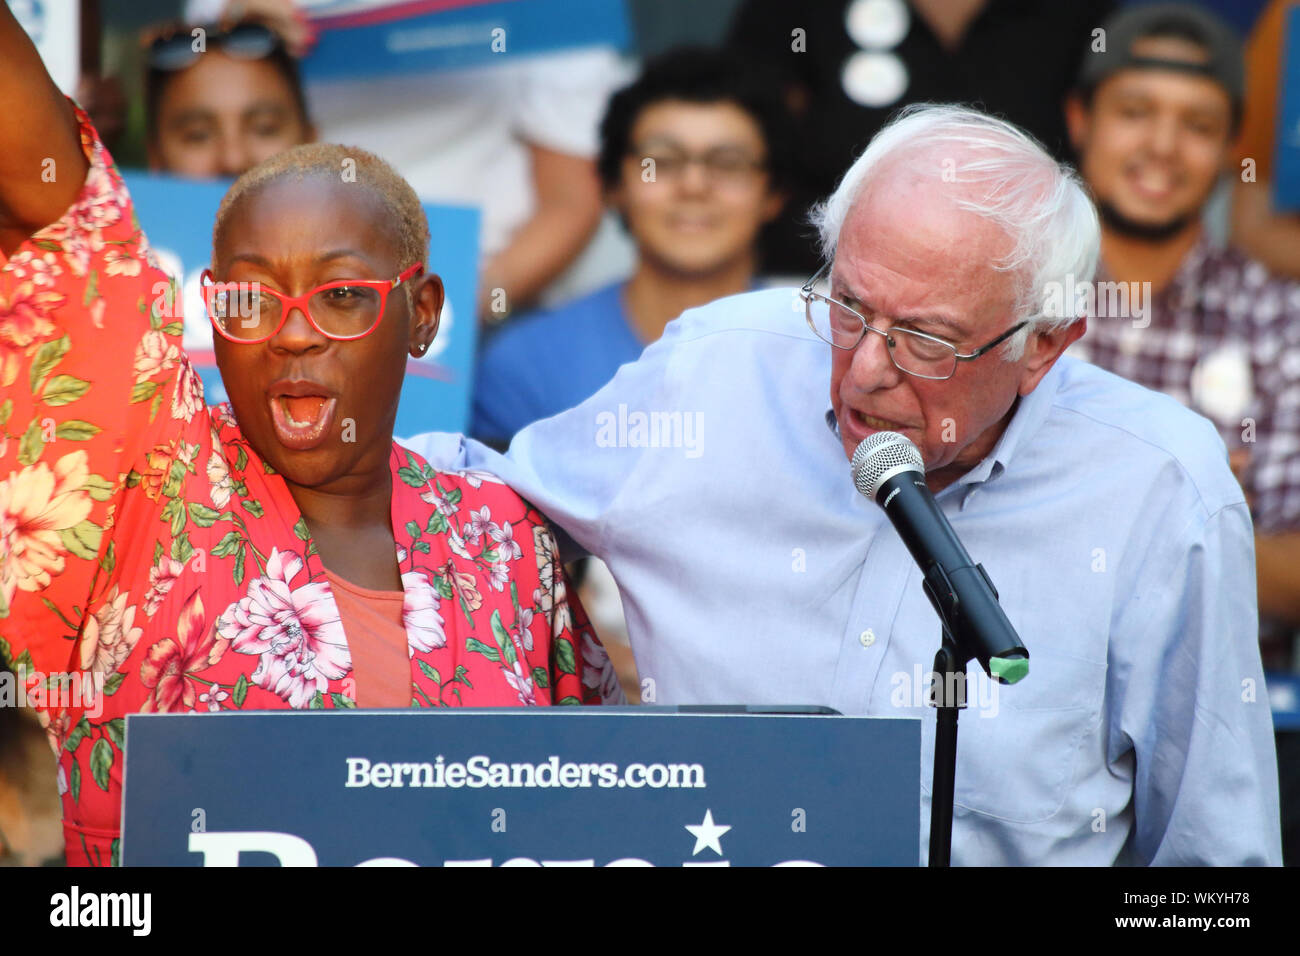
(711, 476)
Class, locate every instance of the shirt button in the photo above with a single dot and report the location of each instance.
(867, 637)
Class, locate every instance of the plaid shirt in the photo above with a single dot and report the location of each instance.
(1223, 339)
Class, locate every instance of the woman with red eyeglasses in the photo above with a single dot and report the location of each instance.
(276, 552)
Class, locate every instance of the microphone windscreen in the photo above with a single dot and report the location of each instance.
(879, 457)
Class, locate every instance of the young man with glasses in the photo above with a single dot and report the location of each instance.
(692, 158)
(753, 572)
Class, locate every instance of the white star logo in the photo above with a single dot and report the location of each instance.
(706, 834)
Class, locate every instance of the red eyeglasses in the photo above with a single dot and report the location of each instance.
(249, 312)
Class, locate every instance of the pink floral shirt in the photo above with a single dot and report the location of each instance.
(146, 548)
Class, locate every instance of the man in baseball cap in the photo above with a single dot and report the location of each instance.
(1146, 37)
(1156, 107)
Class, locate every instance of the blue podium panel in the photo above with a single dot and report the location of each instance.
(598, 786)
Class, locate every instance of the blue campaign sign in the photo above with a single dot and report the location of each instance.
(562, 786)
(378, 37)
(1286, 163)
(177, 216)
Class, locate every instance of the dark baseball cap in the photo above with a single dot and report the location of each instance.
(1223, 54)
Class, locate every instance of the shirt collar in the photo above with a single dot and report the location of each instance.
(1031, 411)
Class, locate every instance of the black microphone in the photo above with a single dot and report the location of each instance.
(889, 470)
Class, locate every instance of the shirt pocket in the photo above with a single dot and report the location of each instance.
(1019, 746)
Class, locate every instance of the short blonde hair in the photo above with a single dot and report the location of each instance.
(406, 215)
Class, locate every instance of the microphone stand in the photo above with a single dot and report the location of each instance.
(949, 696)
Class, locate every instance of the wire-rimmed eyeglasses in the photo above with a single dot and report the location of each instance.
(916, 353)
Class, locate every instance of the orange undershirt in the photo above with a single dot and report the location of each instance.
(372, 622)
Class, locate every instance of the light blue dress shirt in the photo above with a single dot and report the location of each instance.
(752, 571)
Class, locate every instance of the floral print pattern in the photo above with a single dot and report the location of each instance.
(142, 538)
(295, 631)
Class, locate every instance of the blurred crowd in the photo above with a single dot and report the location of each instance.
(619, 190)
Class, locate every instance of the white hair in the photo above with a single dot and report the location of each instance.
(1010, 180)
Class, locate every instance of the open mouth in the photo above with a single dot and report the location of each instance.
(869, 423)
(302, 421)
(1152, 184)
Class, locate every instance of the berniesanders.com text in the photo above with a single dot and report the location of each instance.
(481, 771)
